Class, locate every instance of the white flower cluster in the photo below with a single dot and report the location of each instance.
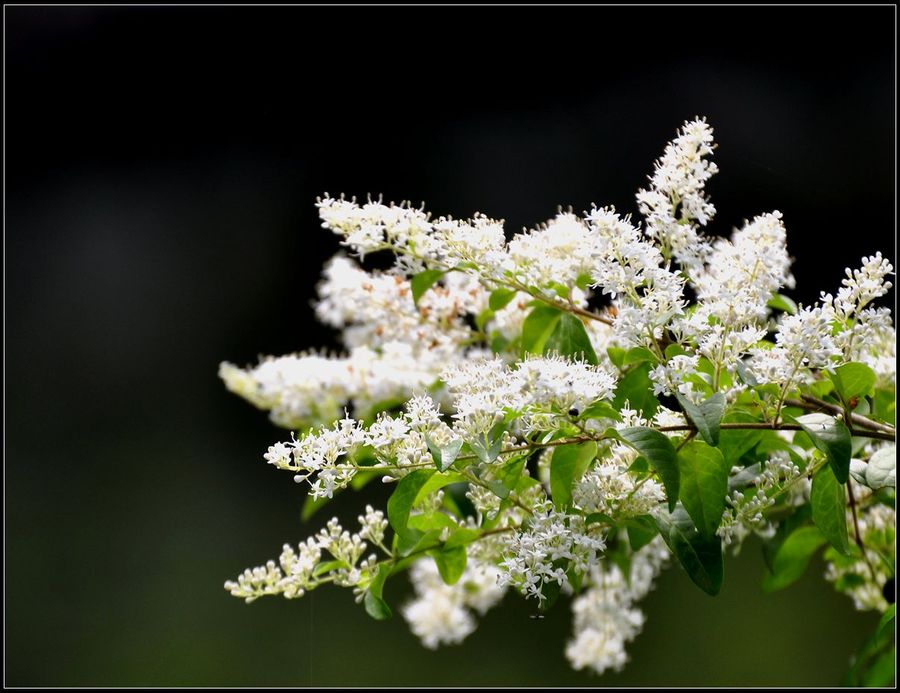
(605, 616)
(484, 390)
(745, 514)
(863, 578)
(442, 614)
(553, 539)
(303, 390)
(295, 573)
(676, 197)
(436, 367)
(608, 488)
(631, 268)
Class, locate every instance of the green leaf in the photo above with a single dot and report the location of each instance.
(567, 466)
(881, 471)
(328, 566)
(444, 455)
(885, 627)
(461, 537)
(885, 404)
(639, 355)
(616, 355)
(735, 443)
(489, 444)
(706, 416)
(699, 556)
(832, 438)
(792, 557)
(423, 281)
(436, 482)
(500, 298)
(829, 509)
(636, 388)
(537, 328)
(451, 563)
(570, 339)
(600, 410)
(881, 673)
(658, 450)
(704, 485)
(783, 303)
(641, 531)
(853, 380)
(482, 318)
(403, 497)
(674, 350)
(509, 472)
(376, 607)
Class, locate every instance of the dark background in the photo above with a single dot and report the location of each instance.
(162, 166)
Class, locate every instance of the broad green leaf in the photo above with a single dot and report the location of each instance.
(567, 466)
(821, 388)
(735, 443)
(700, 557)
(885, 405)
(423, 281)
(885, 627)
(409, 539)
(537, 328)
(600, 410)
(674, 350)
(853, 380)
(639, 355)
(376, 607)
(404, 495)
(641, 531)
(792, 557)
(500, 298)
(569, 338)
(451, 563)
(706, 416)
(509, 472)
(658, 450)
(444, 455)
(461, 537)
(436, 482)
(704, 485)
(616, 355)
(783, 303)
(831, 437)
(488, 445)
(882, 468)
(636, 388)
(829, 509)
(881, 673)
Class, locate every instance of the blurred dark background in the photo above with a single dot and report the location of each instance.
(162, 166)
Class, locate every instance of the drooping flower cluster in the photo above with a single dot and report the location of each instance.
(606, 619)
(441, 613)
(537, 443)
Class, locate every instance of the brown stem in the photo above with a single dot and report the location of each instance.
(811, 403)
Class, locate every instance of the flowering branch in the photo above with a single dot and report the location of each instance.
(536, 445)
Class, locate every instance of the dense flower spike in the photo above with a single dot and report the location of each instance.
(538, 444)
